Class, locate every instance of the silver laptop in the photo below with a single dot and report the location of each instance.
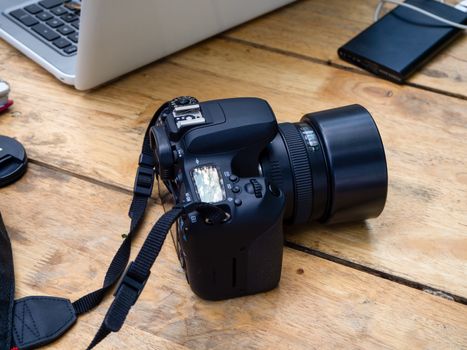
(88, 43)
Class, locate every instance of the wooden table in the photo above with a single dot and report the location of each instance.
(398, 281)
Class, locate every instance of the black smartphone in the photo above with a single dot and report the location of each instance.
(402, 41)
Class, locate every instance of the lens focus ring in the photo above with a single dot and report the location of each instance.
(301, 170)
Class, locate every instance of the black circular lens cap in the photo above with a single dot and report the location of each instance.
(13, 160)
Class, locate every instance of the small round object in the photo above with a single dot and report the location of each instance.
(13, 160)
(238, 202)
(5, 103)
(4, 88)
(233, 178)
(236, 189)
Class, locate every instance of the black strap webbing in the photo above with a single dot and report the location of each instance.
(138, 272)
(7, 288)
(144, 180)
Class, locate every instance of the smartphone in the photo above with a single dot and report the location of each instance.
(402, 41)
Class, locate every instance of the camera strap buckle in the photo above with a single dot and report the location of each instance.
(136, 276)
(145, 175)
(131, 284)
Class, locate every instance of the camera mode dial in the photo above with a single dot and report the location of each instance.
(183, 101)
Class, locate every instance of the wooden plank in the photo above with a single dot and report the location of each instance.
(65, 230)
(81, 126)
(420, 236)
(317, 28)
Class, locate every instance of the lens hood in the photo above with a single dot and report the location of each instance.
(355, 160)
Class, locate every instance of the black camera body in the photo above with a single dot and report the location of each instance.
(232, 153)
(221, 149)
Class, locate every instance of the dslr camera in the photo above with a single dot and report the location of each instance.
(328, 167)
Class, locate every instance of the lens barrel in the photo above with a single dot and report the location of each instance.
(331, 166)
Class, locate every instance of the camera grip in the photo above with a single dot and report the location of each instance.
(222, 269)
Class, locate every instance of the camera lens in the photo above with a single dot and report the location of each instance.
(330, 165)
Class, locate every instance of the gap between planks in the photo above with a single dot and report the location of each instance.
(378, 273)
(289, 244)
(330, 63)
(91, 180)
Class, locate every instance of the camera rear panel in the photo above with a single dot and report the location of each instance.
(210, 152)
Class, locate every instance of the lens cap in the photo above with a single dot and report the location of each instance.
(13, 160)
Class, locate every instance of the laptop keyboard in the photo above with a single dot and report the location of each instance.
(52, 22)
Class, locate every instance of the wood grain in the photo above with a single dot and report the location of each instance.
(317, 28)
(410, 122)
(65, 230)
(421, 234)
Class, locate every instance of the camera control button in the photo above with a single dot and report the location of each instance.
(238, 202)
(235, 189)
(233, 178)
(249, 188)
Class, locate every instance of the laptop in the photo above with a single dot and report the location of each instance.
(87, 43)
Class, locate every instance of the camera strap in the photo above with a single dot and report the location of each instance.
(34, 321)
